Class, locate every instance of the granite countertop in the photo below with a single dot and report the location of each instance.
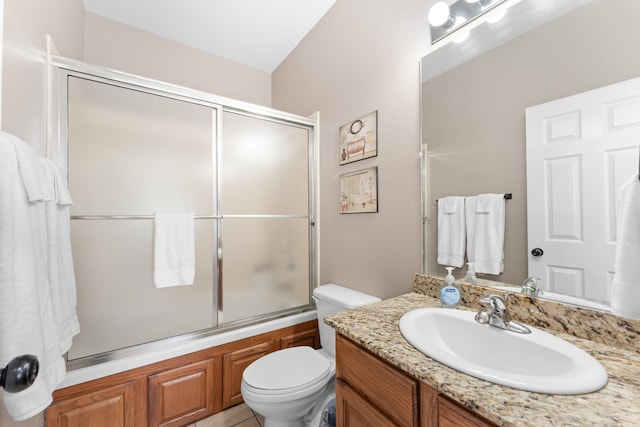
(375, 327)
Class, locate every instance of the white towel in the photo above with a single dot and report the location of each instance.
(60, 261)
(625, 290)
(485, 219)
(174, 249)
(30, 168)
(451, 231)
(28, 323)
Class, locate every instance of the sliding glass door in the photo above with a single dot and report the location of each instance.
(132, 151)
(265, 208)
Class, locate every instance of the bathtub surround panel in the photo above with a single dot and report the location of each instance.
(594, 325)
(174, 392)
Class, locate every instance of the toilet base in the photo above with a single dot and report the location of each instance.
(290, 414)
(276, 423)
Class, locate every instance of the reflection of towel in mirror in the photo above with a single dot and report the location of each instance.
(485, 218)
(625, 289)
(451, 231)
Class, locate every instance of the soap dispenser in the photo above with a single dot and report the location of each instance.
(449, 292)
(471, 273)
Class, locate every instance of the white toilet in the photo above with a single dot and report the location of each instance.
(290, 387)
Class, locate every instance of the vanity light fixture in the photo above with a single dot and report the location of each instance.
(440, 15)
(446, 20)
(482, 3)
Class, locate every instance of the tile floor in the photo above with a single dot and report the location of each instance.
(237, 416)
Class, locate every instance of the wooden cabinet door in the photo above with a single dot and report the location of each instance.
(182, 395)
(387, 388)
(453, 415)
(353, 410)
(110, 407)
(309, 338)
(428, 406)
(234, 365)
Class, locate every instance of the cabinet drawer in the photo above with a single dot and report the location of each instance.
(383, 385)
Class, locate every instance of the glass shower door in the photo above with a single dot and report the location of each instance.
(132, 154)
(265, 205)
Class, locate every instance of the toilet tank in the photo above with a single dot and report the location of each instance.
(331, 299)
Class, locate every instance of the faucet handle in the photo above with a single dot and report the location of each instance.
(530, 286)
(495, 302)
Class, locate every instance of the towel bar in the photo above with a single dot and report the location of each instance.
(96, 217)
(507, 196)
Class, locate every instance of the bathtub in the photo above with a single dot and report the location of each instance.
(166, 351)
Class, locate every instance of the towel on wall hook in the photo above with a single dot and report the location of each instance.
(37, 308)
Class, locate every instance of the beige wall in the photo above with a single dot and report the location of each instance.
(363, 56)
(474, 114)
(114, 45)
(26, 24)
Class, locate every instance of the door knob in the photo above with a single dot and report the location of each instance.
(537, 252)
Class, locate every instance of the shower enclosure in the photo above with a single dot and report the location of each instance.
(134, 147)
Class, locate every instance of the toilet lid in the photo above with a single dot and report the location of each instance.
(286, 370)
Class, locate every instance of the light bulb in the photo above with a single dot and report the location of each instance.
(461, 36)
(439, 14)
(497, 16)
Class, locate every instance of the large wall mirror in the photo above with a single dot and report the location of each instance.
(473, 109)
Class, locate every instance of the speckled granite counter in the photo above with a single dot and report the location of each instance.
(375, 328)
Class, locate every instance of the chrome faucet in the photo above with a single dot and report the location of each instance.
(530, 287)
(497, 314)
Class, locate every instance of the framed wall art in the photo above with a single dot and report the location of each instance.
(359, 139)
(359, 191)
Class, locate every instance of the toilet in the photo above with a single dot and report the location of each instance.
(290, 387)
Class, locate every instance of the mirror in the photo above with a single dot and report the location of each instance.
(473, 113)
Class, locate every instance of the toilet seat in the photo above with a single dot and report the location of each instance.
(287, 371)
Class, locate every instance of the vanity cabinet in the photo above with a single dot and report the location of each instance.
(370, 392)
(175, 392)
(450, 414)
(372, 389)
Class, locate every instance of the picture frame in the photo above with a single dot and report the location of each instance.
(358, 139)
(359, 191)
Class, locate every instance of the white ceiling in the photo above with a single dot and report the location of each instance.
(256, 33)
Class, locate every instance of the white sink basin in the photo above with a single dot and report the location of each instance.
(537, 362)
